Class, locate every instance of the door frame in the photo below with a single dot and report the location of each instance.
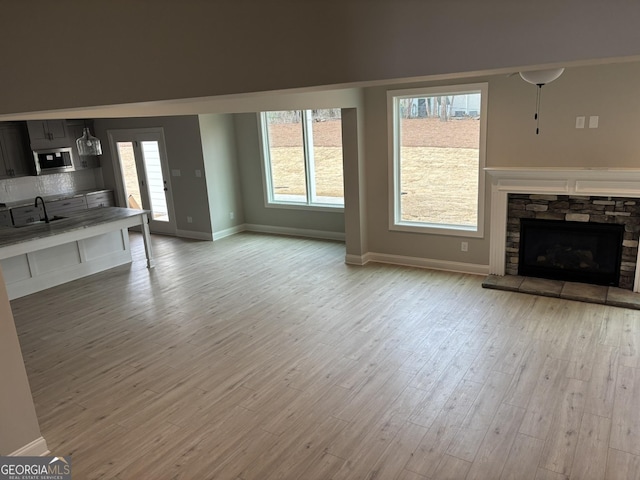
(137, 135)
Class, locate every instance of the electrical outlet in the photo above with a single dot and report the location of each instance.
(198, 173)
(232, 215)
(189, 220)
(464, 246)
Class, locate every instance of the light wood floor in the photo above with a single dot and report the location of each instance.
(262, 357)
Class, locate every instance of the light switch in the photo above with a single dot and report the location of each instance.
(579, 122)
(175, 172)
(593, 121)
(198, 173)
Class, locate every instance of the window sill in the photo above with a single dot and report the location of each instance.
(307, 207)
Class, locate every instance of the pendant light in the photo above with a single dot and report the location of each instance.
(87, 144)
(540, 78)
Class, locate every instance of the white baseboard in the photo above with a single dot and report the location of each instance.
(37, 448)
(227, 232)
(430, 263)
(194, 235)
(295, 232)
(351, 259)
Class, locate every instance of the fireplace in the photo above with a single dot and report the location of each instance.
(586, 195)
(572, 251)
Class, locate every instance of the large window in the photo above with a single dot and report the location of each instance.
(437, 159)
(303, 157)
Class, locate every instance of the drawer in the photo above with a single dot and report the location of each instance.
(102, 199)
(27, 214)
(5, 218)
(69, 205)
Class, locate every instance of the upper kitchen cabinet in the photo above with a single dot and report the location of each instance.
(75, 130)
(15, 156)
(48, 134)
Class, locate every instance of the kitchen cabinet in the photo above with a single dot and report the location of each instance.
(100, 199)
(15, 156)
(75, 130)
(5, 218)
(66, 206)
(42, 256)
(27, 214)
(45, 134)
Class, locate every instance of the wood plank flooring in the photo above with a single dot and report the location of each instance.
(262, 357)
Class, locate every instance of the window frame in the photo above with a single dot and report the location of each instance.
(267, 178)
(393, 126)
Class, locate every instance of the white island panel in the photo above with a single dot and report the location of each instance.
(35, 271)
(16, 268)
(105, 245)
(54, 259)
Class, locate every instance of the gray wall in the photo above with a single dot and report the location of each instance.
(184, 152)
(19, 425)
(221, 170)
(155, 50)
(610, 91)
(255, 211)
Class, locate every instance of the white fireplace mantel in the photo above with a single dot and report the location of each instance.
(551, 181)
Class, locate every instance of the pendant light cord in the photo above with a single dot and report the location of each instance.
(537, 115)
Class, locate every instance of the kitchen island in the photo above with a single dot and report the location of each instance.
(42, 255)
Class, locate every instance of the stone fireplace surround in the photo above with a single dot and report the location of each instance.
(576, 208)
(621, 183)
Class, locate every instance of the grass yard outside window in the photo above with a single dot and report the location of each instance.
(302, 152)
(437, 138)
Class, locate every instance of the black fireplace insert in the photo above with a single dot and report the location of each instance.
(572, 251)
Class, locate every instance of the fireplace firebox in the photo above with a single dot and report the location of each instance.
(573, 251)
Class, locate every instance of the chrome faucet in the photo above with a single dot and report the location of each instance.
(44, 207)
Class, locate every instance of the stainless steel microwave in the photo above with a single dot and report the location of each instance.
(53, 160)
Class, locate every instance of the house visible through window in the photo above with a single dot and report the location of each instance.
(303, 157)
(438, 138)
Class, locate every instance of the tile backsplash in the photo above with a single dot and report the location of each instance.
(22, 188)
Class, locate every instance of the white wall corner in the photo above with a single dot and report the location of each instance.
(227, 232)
(37, 448)
(194, 235)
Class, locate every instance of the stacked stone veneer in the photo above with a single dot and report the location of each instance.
(574, 208)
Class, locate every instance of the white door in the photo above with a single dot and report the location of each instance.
(142, 166)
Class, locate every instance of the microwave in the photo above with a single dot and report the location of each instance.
(53, 160)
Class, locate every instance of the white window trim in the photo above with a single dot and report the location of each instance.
(267, 187)
(394, 168)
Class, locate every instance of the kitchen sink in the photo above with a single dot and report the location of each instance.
(40, 222)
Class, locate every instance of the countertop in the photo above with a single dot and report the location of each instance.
(73, 221)
(50, 198)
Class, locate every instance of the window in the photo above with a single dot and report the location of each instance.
(437, 159)
(303, 158)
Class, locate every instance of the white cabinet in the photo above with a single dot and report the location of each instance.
(45, 134)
